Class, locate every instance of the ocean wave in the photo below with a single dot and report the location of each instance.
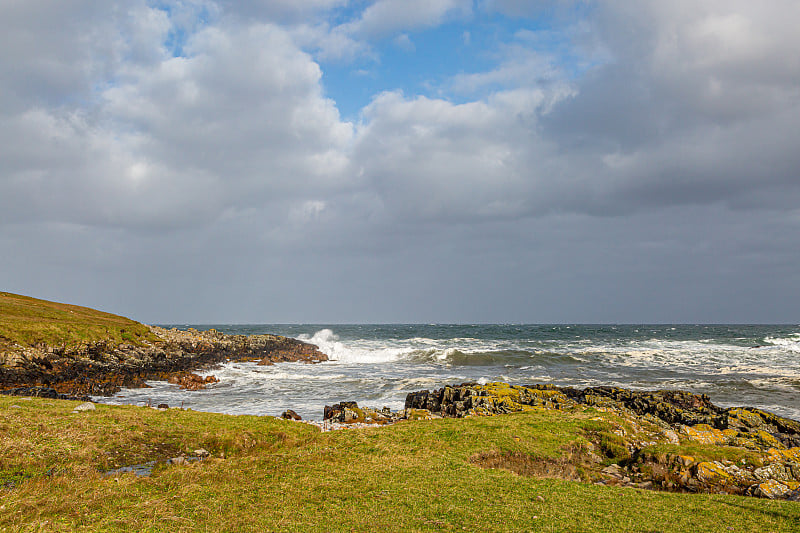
(650, 352)
(329, 344)
(791, 343)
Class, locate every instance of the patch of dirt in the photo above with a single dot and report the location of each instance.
(569, 467)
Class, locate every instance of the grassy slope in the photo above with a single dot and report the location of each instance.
(284, 476)
(29, 321)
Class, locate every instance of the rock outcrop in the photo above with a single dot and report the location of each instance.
(102, 368)
(744, 450)
(351, 413)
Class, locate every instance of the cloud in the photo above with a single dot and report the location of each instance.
(280, 11)
(692, 108)
(404, 42)
(240, 122)
(386, 17)
(330, 44)
(648, 145)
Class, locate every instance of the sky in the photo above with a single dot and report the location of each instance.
(403, 161)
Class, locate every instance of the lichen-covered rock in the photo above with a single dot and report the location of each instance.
(768, 446)
(792, 454)
(489, 399)
(771, 489)
(705, 434)
(776, 471)
(417, 414)
(712, 474)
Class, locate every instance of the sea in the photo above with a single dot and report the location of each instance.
(377, 365)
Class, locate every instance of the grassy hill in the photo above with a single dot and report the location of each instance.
(30, 321)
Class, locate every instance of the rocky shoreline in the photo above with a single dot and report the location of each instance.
(662, 440)
(103, 368)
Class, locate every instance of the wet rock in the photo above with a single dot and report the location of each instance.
(672, 407)
(290, 415)
(192, 382)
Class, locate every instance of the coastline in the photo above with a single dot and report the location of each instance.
(102, 368)
(493, 437)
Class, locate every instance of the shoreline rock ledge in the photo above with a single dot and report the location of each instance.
(664, 440)
(667, 440)
(103, 368)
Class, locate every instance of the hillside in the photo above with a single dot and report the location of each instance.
(29, 322)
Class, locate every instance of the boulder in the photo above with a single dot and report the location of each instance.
(192, 382)
(290, 415)
(84, 407)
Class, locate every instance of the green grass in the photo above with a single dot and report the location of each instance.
(29, 321)
(267, 474)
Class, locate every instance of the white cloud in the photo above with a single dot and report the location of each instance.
(240, 122)
(385, 17)
(330, 44)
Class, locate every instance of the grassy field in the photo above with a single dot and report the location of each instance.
(29, 321)
(266, 474)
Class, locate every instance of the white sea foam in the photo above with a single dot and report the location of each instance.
(329, 344)
(379, 370)
(791, 343)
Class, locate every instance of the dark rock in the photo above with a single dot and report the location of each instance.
(336, 412)
(163, 406)
(290, 415)
(673, 407)
(43, 392)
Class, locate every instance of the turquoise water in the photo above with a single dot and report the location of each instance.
(378, 365)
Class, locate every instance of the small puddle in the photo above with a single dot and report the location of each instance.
(146, 469)
(142, 470)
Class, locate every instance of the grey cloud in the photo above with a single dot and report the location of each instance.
(668, 122)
